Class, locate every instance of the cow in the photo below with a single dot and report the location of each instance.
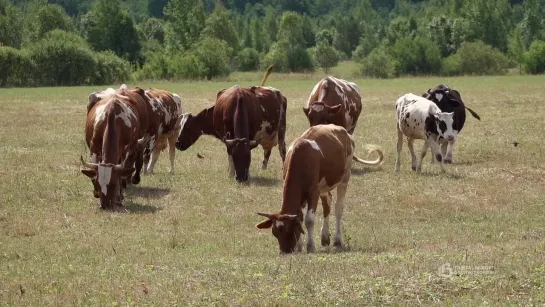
(242, 119)
(317, 162)
(167, 109)
(334, 101)
(450, 100)
(111, 133)
(420, 118)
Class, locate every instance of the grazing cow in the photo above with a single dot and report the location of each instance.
(420, 118)
(111, 132)
(449, 100)
(317, 162)
(334, 101)
(167, 109)
(242, 118)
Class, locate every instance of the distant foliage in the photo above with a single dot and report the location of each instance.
(248, 60)
(14, 67)
(534, 58)
(379, 64)
(110, 69)
(476, 58)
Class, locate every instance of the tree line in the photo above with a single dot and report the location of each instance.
(70, 42)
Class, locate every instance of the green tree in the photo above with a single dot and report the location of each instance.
(185, 22)
(219, 26)
(515, 46)
(109, 27)
(214, 54)
(11, 25)
(532, 23)
(534, 58)
(51, 17)
(489, 21)
(325, 55)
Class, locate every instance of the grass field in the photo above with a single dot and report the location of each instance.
(189, 238)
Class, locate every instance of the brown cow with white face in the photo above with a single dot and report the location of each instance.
(317, 162)
(112, 129)
(334, 101)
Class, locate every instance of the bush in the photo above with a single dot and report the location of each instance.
(188, 66)
(248, 60)
(14, 67)
(326, 56)
(534, 58)
(416, 56)
(378, 64)
(62, 58)
(213, 57)
(110, 69)
(476, 58)
(158, 66)
(288, 59)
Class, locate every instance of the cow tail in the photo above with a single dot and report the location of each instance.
(371, 149)
(267, 73)
(473, 113)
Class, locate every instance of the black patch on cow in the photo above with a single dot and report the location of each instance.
(442, 126)
(430, 125)
(408, 115)
(439, 157)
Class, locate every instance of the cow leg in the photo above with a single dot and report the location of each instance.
(172, 150)
(422, 155)
(153, 159)
(399, 147)
(231, 171)
(266, 155)
(146, 158)
(436, 151)
(449, 152)
(410, 144)
(138, 166)
(282, 146)
(326, 204)
(339, 208)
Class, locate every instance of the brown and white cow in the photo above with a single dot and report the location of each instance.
(317, 162)
(334, 101)
(167, 108)
(242, 118)
(111, 132)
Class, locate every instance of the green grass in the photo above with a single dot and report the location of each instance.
(190, 239)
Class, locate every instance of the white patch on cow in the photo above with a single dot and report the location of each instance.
(317, 107)
(104, 177)
(324, 188)
(100, 114)
(94, 158)
(314, 90)
(279, 223)
(152, 143)
(438, 96)
(263, 109)
(310, 216)
(272, 88)
(354, 86)
(314, 145)
(185, 116)
(123, 86)
(126, 114)
(177, 100)
(340, 85)
(264, 125)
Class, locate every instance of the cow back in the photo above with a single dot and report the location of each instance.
(237, 113)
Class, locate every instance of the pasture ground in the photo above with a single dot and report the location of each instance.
(189, 238)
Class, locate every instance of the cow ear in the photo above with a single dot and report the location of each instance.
(306, 110)
(334, 109)
(91, 173)
(265, 224)
(126, 172)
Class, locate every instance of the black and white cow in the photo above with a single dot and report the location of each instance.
(420, 118)
(449, 100)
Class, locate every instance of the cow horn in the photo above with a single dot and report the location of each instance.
(267, 215)
(88, 164)
(227, 142)
(253, 143)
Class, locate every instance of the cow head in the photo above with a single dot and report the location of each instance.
(106, 180)
(287, 229)
(190, 131)
(240, 149)
(321, 114)
(441, 124)
(445, 97)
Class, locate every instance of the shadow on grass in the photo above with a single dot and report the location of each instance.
(359, 171)
(439, 174)
(147, 192)
(133, 207)
(264, 181)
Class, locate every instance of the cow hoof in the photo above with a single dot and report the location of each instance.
(119, 208)
(263, 167)
(448, 161)
(135, 180)
(326, 241)
(337, 244)
(413, 168)
(310, 248)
